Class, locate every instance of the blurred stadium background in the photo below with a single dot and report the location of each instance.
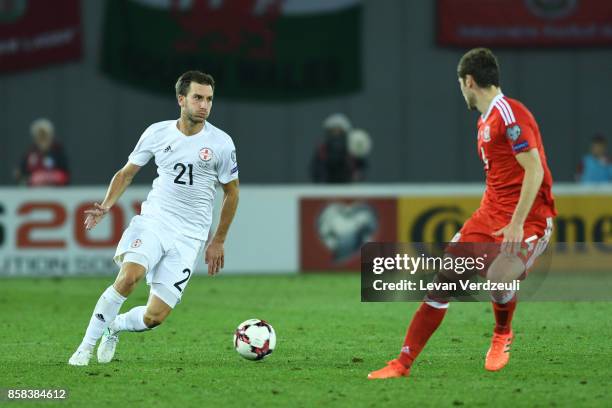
(402, 87)
(102, 71)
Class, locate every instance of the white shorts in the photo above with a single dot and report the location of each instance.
(169, 258)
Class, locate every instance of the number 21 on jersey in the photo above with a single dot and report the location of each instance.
(183, 168)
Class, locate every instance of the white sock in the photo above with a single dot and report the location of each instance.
(131, 321)
(104, 313)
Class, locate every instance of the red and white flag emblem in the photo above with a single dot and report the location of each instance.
(206, 154)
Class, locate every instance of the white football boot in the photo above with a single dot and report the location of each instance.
(108, 344)
(80, 357)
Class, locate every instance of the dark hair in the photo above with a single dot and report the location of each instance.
(482, 65)
(599, 138)
(185, 80)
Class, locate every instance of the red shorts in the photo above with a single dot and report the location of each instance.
(479, 229)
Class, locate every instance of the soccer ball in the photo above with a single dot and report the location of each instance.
(254, 339)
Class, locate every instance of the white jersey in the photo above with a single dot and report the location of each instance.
(189, 169)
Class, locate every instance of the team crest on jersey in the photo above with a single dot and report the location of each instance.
(136, 243)
(206, 154)
(513, 132)
(486, 134)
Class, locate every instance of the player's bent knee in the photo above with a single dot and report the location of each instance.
(157, 311)
(505, 268)
(128, 277)
(152, 319)
(152, 322)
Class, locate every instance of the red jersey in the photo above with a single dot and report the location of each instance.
(48, 168)
(507, 129)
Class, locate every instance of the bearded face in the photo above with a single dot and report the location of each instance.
(468, 95)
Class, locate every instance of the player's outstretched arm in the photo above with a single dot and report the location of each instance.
(118, 184)
(532, 180)
(215, 257)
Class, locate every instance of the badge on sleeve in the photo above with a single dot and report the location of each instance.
(234, 156)
(513, 133)
(520, 146)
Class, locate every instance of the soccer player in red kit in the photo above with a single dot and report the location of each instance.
(516, 210)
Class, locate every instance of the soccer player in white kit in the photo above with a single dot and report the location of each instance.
(163, 242)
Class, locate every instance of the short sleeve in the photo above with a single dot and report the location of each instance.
(520, 133)
(227, 169)
(143, 151)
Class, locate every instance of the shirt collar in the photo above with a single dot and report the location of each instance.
(205, 128)
(493, 102)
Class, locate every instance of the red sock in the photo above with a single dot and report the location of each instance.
(503, 316)
(424, 322)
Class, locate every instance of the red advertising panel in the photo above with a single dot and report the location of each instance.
(332, 230)
(531, 23)
(38, 32)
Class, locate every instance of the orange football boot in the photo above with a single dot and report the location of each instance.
(499, 352)
(393, 369)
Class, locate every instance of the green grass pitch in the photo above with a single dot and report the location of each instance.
(327, 343)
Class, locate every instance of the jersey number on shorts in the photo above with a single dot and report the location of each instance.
(179, 283)
(181, 166)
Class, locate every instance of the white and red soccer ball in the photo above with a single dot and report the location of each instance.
(254, 339)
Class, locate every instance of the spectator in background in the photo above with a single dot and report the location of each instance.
(342, 157)
(45, 163)
(595, 167)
